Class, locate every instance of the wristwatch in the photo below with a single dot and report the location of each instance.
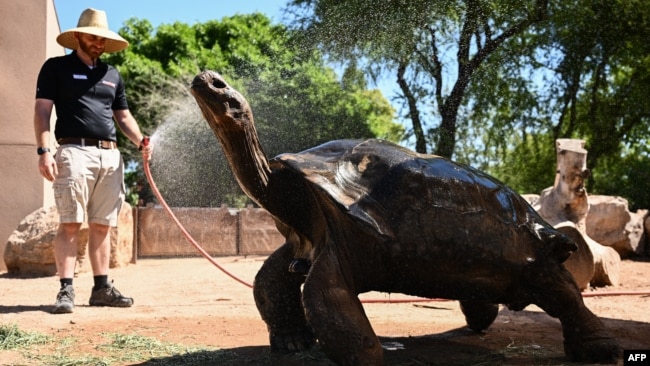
(42, 150)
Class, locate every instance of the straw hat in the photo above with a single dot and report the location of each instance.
(93, 22)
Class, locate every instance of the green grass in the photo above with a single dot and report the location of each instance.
(12, 338)
(119, 349)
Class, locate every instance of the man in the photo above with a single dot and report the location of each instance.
(87, 170)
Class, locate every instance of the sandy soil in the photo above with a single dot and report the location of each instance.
(189, 301)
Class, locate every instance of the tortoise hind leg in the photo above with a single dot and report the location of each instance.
(278, 299)
(479, 315)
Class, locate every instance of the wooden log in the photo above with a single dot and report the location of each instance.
(607, 264)
(567, 201)
(581, 263)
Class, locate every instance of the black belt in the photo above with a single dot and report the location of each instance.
(102, 144)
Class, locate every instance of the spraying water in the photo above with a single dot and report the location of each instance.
(188, 164)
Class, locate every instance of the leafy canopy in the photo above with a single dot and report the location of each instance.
(495, 82)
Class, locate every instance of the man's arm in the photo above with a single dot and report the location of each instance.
(42, 113)
(131, 130)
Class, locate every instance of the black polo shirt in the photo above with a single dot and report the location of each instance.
(84, 98)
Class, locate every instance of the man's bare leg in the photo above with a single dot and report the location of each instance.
(66, 243)
(99, 253)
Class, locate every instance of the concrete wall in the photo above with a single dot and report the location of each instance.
(27, 38)
(219, 231)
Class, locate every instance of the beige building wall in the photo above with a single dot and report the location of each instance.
(28, 29)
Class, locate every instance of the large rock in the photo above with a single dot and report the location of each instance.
(30, 248)
(610, 223)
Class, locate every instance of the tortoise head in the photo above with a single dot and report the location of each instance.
(221, 105)
(231, 120)
(561, 246)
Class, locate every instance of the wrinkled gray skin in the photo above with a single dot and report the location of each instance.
(369, 215)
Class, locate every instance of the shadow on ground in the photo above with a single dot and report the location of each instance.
(4, 309)
(523, 338)
(450, 348)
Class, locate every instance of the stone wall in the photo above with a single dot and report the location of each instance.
(219, 231)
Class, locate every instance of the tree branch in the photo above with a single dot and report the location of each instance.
(420, 141)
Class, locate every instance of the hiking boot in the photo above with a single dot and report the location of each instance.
(64, 300)
(109, 296)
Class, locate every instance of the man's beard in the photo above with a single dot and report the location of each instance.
(90, 50)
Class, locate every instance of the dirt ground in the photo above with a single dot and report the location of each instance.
(191, 302)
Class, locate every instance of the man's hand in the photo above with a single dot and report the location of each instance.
(146, 147)
(47, 166)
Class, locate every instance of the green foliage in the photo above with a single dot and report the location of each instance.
(130, 179)
(625, 175)
(327, 111)
(357, 29)
(606, 70)
(529, 167)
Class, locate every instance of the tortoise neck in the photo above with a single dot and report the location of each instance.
(247, 160)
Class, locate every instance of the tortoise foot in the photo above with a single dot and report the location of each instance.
(599, 350)
(479, 315)
(297, 341)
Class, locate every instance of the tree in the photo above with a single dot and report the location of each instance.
(297, 100)
(607, 72)
(414, 40)
(584, 75)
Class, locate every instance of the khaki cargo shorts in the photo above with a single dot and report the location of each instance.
(90, 184)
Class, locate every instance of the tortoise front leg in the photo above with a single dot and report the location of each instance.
(585, 336)
(277, 296)
(337, 316)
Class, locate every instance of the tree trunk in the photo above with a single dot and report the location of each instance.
(418, 131)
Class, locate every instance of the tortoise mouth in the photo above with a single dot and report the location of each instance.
(219, 83)
(208, 79)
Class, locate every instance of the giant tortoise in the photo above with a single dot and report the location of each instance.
(369, 215)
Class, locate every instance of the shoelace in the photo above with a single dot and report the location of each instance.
(64, 293)
(115, 292)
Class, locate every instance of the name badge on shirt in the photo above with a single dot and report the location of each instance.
(80, 77)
